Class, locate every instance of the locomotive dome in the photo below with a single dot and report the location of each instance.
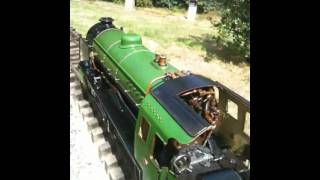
(130, 40)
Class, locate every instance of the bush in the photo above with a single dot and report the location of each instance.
(235, 24)
(204, 6)
(144, 3)
(169, 3)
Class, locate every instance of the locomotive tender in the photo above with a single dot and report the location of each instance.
(163, 123)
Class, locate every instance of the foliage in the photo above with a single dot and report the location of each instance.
(144, 3)
(235, 24)
(169, 3)
(204, 6)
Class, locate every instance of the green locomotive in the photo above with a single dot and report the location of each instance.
(163, 123)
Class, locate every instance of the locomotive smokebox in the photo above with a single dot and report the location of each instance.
(95, 30)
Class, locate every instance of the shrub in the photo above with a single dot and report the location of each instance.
(169, 3)
(144, 3)
(235, 24)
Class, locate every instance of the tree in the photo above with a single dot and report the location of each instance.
(235, 23)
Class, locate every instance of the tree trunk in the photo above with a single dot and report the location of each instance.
(129, 5)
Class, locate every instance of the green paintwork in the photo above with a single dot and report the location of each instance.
(138, 67)
(162, 125)
(133, 66)
(129, 61)
(130, 40)
(165, 126)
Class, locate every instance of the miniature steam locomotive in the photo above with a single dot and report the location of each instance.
(163, 123)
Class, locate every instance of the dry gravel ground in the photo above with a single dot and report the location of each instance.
(84, 159)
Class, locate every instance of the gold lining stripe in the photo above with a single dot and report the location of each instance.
(105, 31)
(133, 52)
(114, 43)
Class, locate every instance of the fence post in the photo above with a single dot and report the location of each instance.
(129, 5)
(192, 10)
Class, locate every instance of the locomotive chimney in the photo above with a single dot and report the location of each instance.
(106, 20)
(161, 60)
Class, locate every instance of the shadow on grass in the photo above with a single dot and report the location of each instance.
(215, 48)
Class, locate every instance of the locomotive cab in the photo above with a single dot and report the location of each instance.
(174, 142)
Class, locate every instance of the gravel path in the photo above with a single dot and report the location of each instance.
(84, 159)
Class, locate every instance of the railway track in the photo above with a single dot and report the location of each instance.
(96, 131)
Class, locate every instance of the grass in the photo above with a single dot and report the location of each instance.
(162, 26)
(188, 45)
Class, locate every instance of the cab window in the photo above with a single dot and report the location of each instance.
(158, 148)
(144, 129)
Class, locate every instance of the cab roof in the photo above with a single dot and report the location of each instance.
(167, 94)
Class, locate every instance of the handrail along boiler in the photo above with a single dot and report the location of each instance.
(163, 123)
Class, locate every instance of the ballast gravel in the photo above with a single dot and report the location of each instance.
(84, 159)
